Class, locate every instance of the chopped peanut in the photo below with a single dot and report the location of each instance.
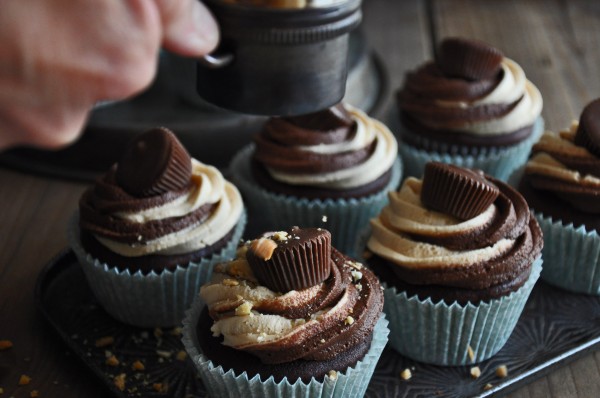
(470, 353)
(24, 380)
(475, 372)
(263, 248)
(105, 341)
(5, 344)
(34, 394)
(349, 321)
(120, 381)
(406, 374)
(112, 361)
(502, 371)
(332, 374)
(181, 355)
(230, 282)
(138, 366)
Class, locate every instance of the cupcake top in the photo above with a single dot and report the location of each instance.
(562, 177)
(456, 235)
(470, 95)
(329, 305)
(157, 202)
(337, 152)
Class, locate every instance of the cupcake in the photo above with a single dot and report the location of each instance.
(459, 253)
(329, 169)
(561, 182)
(289, 316)
(149, 232)
(471, 107)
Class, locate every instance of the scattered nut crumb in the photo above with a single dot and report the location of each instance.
(349, 320)
(161, 387)
(181, 355)
(324, 218)
(244, 309)
(164, 354)
(280, 236)
(5, 344)
(230, 282)
(112, 361)
(406, 374)
(158, 332)
(354, 264)
(359, 287)
(502, 371)
(332, 374)
(120, 381)
(356, 275)
(475, 372)
(138, 366)
(1, 390)
(263, 248)
(488, 386)
(34, 394)
(322, 341)
(177, 331)
(105, 341)
(470, 353)
(24, 380)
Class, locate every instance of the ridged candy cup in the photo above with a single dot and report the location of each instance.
(497, 162)
(441, 334)
(342, 217)
(220, 383)
(571, 256)
(154, 299)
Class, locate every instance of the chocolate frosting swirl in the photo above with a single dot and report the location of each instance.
(436, 255)
(317, 323)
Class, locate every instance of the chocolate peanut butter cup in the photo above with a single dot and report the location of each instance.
(291, 260)
(460, 192)
(468, 59)
(588, 133)
(154, 163)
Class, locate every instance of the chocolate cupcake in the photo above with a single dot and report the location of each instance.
(330, 169)
(289, 315)
(150, 230)
(459, 277)
(561, 182)
(471, 107)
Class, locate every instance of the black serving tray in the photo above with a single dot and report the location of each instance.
(555, 328)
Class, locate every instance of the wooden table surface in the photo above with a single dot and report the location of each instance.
(556, 41)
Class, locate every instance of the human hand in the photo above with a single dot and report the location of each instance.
(60, 57)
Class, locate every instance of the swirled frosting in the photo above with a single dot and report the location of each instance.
(562, 179)
(340, 149)
(313, 324)
(491, 111)
(436, 255)
(173, 223)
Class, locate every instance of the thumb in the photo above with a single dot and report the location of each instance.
(189, 28)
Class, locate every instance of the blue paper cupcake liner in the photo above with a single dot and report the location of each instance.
(441, 334)
(497, 162)
(155, 299)
(220, 383)
(342, 217)
(571, 256)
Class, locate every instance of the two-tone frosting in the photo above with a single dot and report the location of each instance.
(435, 254)
(174, 213)
(317, 323)
(471, 95)
(338, 149)
(562, 177)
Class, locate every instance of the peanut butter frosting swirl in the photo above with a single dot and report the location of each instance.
(316, 323)
(199, 214)
(339, 148)
(487, 256)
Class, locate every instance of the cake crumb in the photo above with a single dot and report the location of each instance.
(475, 372)
(138, 366)
(230, 282)
(488, 386)
(244, 309)
(349, 320)
(112, 361)
(24, 380)
(502, 371)
(406, 374)
(119, 381)
(470, 353)
(105, 341)
(181, 355)
(5, 344)
(332, 374)
(34, 394)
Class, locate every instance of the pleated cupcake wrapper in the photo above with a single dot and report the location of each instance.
(441, 334)
(497, 162)
(571, 256)
(220, 383)
(155, 299)
(342, 217)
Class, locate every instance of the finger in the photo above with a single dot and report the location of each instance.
(189, 27)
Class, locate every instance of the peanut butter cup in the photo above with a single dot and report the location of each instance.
(460, 192)
(153, 164)
(468, 59)
(588, 133)
(291, 260)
